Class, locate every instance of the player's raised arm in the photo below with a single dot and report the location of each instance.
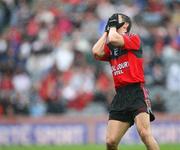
(115, 38)
(119, 36)
(98, 48)
(126, 41)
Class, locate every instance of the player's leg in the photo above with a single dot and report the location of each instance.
(115, 131)
(142, 122)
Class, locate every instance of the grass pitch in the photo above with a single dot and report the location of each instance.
(84, 147)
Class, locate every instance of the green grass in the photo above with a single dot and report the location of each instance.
(85, 147)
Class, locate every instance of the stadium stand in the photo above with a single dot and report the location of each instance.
(46, 65)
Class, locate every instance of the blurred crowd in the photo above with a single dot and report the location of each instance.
(46, 64)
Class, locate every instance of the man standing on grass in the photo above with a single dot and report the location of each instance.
(131, 104)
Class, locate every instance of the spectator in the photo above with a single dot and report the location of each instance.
(158, 104)
(50, 92)
(22, 85)
(173, 78)
(6, 92)
(78, 91)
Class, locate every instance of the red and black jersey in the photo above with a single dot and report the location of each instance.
(126, 62)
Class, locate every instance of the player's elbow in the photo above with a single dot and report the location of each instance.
(116, 41)
(97, 53)
(94, 51)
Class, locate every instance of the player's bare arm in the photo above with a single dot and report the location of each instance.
(118, 27)
(98, 48)
(115, 38)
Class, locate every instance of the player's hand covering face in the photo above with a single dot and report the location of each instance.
(116, 21)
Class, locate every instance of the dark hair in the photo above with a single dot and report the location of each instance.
(126, 19)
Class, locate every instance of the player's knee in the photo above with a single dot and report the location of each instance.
(111, 142)
(144, 134)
